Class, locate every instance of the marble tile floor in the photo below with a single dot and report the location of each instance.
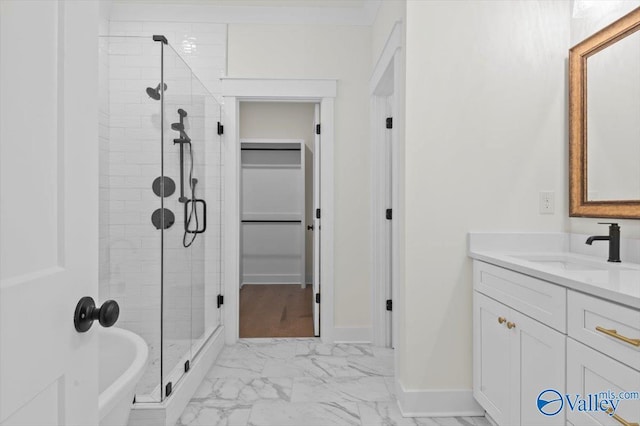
(302, 382)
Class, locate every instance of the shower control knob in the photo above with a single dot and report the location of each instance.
(86, 313)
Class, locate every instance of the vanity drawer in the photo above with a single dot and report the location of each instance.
(536, 298)
(590, 372)
(585, 313)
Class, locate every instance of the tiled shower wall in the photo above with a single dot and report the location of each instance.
(203, 46)
(130, 160)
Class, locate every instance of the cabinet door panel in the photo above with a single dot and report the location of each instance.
(589, 371)
(491, 358)
(538, 355)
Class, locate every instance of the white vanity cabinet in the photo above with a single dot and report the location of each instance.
(515, 356)
(530, 335)
(603, 354)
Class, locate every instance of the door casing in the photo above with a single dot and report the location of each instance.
(234, 91)
(385, 91)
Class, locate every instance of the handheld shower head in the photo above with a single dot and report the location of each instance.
(154, 93)
(182, 113)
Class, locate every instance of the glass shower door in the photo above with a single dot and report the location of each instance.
(130, 152)
(179, 244)
(191, 247)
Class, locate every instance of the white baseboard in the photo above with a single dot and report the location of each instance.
(168, 412)
(352, 335)
(437, 402)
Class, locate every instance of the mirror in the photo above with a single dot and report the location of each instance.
(604, 118)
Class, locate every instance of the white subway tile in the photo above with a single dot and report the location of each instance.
(124, 194)
(124, 170)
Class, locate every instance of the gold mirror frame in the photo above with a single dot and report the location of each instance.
(579, 205)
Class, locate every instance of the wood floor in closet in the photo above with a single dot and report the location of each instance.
(276, 310)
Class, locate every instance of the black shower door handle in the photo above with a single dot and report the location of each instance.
(204, 214)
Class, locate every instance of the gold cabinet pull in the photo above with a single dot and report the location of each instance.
(614, 334)
(619, 419)
(511, 325)
(501, 320)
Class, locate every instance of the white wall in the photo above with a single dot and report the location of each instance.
(388, 13)
(485, 132)
(587, 18)
(344, 53)
(286, 120)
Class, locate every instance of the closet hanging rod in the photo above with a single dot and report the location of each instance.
(271, 221)
(270, 149)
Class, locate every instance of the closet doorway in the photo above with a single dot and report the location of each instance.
(279, 230)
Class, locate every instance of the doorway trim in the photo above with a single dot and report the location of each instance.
(234, 91)
(385, 82)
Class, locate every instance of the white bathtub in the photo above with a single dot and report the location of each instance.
(123, 359)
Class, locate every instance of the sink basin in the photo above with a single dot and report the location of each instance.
(566, 262)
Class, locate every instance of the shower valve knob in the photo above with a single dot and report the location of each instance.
(86, 313)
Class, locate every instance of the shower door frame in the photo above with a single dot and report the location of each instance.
(234, 91)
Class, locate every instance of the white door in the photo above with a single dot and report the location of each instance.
(316, 225)
(538, 364)
(48, 210)
(491, 357)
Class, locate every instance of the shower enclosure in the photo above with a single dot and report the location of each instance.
(160, 204)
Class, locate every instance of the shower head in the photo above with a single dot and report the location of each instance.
(182, 113)
(154, 93)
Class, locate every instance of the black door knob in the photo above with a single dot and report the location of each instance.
(310, 227)
(86, 313)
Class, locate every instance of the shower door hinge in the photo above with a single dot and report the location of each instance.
(317, 213)
(389, 123)
(317, 297)
(168, 389)
(389, 305)
(220, 300)
(389, 214)
(317, 129)
(220, 128)
(187, 366)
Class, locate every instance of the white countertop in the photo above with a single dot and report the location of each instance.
(617, 282)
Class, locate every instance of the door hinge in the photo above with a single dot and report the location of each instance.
(317, 129)
(220, 300)
(220, 128)
(317, 298)
(187, 366)
(389, 214)
(389, 123)
(317, 213)
(168, 389)
(389, 305)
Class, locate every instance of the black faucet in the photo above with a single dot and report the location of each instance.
(613, 238)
